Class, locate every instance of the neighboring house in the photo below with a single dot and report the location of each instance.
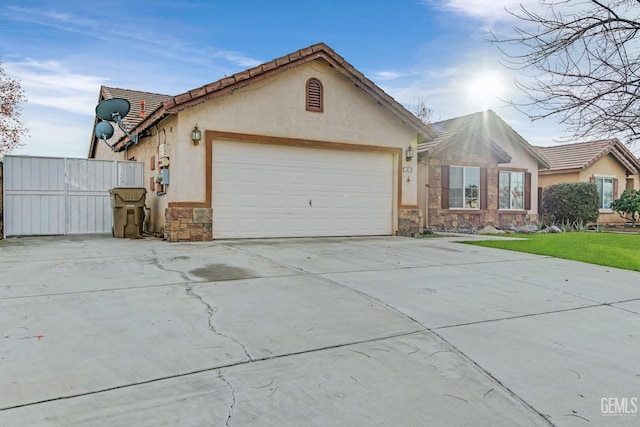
(608, 163)
(477, 171)
(304, 145)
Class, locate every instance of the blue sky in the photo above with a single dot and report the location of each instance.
(62, 51)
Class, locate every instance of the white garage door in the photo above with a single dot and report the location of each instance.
(280, 191)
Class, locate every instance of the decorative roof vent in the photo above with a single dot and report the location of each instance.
(314, 95)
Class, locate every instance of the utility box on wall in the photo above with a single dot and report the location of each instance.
(163, 150)
(165, 176)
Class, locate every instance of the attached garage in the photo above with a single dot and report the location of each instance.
(301, 146)
(263, 190)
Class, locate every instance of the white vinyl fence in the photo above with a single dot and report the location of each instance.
(47, 195)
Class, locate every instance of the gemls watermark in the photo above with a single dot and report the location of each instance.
(619, 406)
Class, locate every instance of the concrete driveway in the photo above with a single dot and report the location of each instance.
(291, 332)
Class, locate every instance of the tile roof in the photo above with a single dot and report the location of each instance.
(581, 155)
(484, 124)
(152, 101)
(227, 85)
(135, 97)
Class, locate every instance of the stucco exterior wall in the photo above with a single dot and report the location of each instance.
(522, 160)
(423, 190)
(607, 166)
(276, 107)
(146, 151)
(103, 152)
(546, 180)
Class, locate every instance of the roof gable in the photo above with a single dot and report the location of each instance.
(485, 125)
(227, 85)
(141, 104)
(581, 155)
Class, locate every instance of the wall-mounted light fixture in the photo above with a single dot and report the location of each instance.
(196, 135)
(409, 153)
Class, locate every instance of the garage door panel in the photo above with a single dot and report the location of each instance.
(277, 191)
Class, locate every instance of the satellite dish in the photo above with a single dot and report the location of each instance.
(113, 109)
(103, 130)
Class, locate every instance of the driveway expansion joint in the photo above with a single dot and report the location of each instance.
(424, 329)
(493, 378)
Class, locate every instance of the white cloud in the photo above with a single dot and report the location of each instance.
(132, 34)
(386, 75)
(50, 84)
(236, 58)
(495, 16)
(54, 134)
(486, 10)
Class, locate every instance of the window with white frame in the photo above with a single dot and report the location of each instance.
(605, 192)
(464, 187)
(511, 190)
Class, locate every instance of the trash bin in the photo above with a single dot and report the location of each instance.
(128, 211)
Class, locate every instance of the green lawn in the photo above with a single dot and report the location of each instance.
(613, 250)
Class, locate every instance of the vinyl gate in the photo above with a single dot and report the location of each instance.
(46, 195)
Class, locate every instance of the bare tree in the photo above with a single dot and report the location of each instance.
(422, 111)
(11, 99)
(580, 62)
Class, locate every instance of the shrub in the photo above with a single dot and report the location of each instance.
(628, 205)
(571, 202)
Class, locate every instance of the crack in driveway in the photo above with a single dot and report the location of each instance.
(233, 397)
(209, 309)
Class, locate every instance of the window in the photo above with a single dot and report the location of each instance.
(605, 192)
(314, 95)
(511, 190)
(464, 187)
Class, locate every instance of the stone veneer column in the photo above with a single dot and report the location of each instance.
(409, 222)
(189, 224)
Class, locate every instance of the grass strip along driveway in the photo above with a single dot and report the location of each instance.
(613, 250)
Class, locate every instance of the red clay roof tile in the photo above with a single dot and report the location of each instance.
(320, 50)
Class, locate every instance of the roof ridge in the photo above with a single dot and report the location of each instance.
(465, 115)
(134, 90)
(597, 141)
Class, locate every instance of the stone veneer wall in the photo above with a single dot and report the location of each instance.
(517, 219)
(409, 222)
(189, 224)
(446, 219)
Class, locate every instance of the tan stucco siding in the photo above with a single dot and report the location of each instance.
(546, 180)
(607, 166)
(522, 160)
(276, 107)
(423, 190)
(103, 152)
